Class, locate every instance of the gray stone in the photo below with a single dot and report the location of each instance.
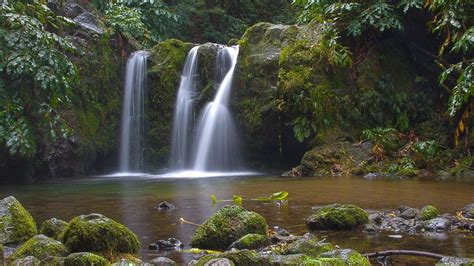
(219, 262)
(90, 22)
(26, 261)
(454, 261)
(408, 212)
(162, 261)
(468, 211)
(437, 224)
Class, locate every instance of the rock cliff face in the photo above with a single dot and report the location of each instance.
(284, 86)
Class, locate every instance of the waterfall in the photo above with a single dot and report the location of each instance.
(216, 138)
(182, 123)
(132, 130)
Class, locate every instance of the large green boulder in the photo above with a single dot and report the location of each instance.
(337, 217)
(97, 233)
(41, 247)
(226, 226)
(301, 259)
(84, 259)
(16, 224)
(53, 228)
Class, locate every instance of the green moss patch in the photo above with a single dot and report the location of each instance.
(337, 217)
(226, 226)
(16, 224)
(41, 247)
(250, 241)
(53, 228)
(97, 233)
(85, 259)
(428, 212)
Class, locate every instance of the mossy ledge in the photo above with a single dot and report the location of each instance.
(338, 217)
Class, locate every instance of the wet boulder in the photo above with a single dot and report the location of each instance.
(396, 224)
(408, 212)
(337, 217)
(238, 257)
(162, 261)
(348, 256)
(53, 228)
(226, 226)
(89, 22)
(41, 247)
(250, 241)
(170, 244)
(428, 212)
(26, 261)
(301, 259)
(308, 245)
(219, 262)
(85, 258)
(97, 233)
(439, 224)
(454, 261)
(16, 224)
(468, 211)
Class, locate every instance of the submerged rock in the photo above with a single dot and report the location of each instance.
(54, 228)
(26, 261)
(337, 217)
(165, 206)
(16, 224)
(226, 226)
(428, 212)
(170, 244)
(250, 241)
(97, 233)
(162, 261)
(41, 247)
(85, 258)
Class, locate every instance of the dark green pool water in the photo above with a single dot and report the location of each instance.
(132, 201)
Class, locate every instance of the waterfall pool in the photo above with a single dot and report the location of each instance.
(132, 200)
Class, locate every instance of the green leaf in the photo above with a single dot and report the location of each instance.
(214, 199)
(237, 200)
(281, 195)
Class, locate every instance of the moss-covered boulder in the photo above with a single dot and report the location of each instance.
(338, 158)
(238, 257)
(54, 261)
(301, 259)
(26, 261)
(97, 233)
(226, 226)
(348, 256)
(85, 259)
(337, 217)
(308, 245)
(16, 224)
(428, 212)
(250, 241)
(41, 247)
(54, 228)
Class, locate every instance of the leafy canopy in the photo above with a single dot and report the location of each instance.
(36, 76)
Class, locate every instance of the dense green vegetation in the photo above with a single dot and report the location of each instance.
(396, 73)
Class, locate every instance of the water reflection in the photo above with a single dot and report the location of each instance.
(132, 201)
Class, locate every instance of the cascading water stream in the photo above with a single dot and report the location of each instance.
(132, 128)
(216, 138)
(182, 123)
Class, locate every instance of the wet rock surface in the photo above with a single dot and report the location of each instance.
(169, 244)
(165, 206)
